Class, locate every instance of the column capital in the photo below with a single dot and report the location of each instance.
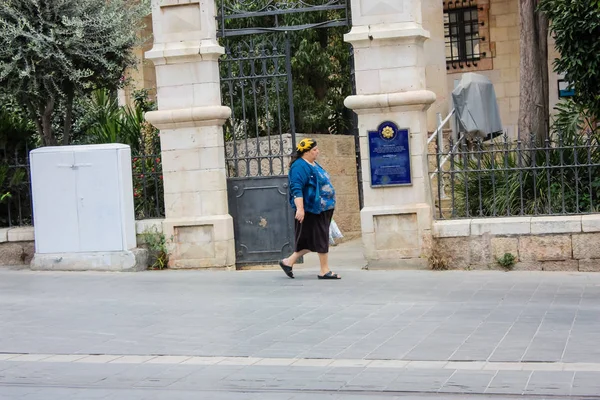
(185, 51)
(364, 35)
(188, 117)
(386, 101)
(385, 12)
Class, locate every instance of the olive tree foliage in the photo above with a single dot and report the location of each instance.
(575, 25)
(53, 51)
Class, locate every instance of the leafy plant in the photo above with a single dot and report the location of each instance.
(17, 131)
(148, 188)
(438, 261)
(156, 243)
(575, 26)
(507, 261)
(107, 122)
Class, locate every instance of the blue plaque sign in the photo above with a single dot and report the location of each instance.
(389, 156)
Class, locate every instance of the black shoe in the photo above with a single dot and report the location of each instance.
(286, 269)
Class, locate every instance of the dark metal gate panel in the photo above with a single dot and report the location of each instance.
(263, 220)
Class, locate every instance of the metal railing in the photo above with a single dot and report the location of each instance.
(148, 187)
(557, 176)
(438, 136)
(15, 189)
(16, 208)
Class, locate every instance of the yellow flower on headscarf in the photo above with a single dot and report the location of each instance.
(304, 145)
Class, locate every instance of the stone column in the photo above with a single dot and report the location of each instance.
(190, 117)
(388, 39)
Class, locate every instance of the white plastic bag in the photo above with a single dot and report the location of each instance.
(334, 232)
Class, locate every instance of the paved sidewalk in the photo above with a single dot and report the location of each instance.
(259, 335)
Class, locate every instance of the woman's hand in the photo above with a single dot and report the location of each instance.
(300, 215)
(299, 202)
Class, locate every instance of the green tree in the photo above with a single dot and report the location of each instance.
(53, 51)
(575, 25)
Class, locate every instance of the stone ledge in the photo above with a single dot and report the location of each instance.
(559, 224)
(27, 233)
(119, 261)
(509, 226)
(590, 223)
(501, 226)
(4, 235)
(452, 228)
(21, 234)
(151, 225)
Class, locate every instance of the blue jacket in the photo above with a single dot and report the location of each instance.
(304, 182)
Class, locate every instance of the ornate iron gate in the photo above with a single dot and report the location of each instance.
(260, 136)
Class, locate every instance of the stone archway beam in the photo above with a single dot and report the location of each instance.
(390, 100)
(188, 117)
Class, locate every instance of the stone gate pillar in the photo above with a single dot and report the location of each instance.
(190, 117)
(388, 38)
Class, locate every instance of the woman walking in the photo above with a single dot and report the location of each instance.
(313, 199)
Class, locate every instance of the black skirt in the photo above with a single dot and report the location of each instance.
(313, 233)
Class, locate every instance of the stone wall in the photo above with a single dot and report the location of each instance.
(17, 245)
(338, 157)
(570, 243)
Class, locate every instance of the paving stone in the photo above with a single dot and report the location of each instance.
(468, 382)
(509, 382)
(408, 328)
(550, 383)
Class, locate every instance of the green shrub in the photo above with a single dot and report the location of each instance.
(507, 261)
(156, 243)
(529, 179)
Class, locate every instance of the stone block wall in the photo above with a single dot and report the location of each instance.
(17, 245)
(570, 243)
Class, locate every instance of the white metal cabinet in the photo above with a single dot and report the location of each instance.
(83, 199)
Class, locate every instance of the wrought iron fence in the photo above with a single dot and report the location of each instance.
(16, 208)
(557, 176)
(15, 189)
(148, 188)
